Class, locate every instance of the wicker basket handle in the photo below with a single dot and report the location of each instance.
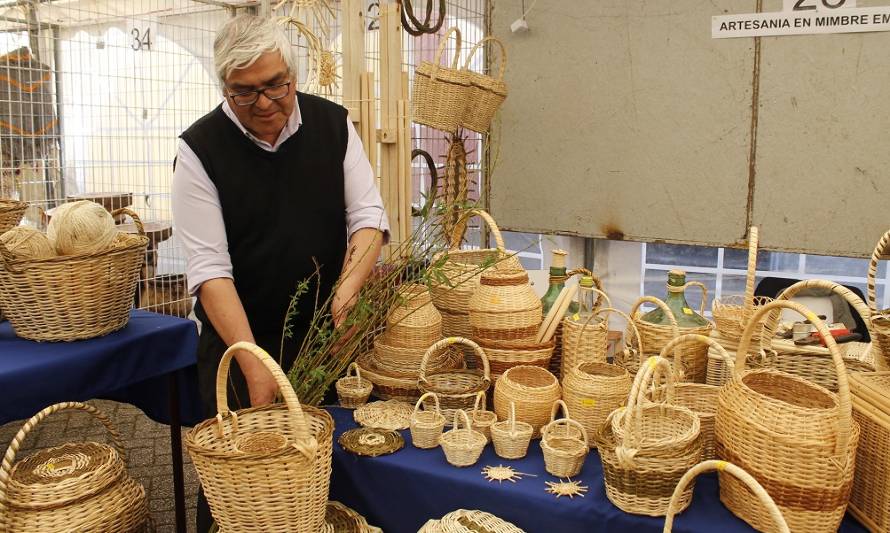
(600, 295)
(460, 228)
(843, 384)
(9, 458)
(434, 181)
(547, 430)
(423, 397)
(628, 347)
(467, 426)
(676, 341)
(480, 396)
(307, 444)
(512, 419)
(880, 249)
(557, 405)
(503, 64)
(751, 273)
(441, 49)
(744, 477)
(664, 308)
(132, 214)
(354, 367)
(848, 295)
(448, 342)
(647, 377)
(704, 293)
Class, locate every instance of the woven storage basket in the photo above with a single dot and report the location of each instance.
(814, 363)
(342, 519)
(870, 498)
(427, 425)
(533, 389)
(587, 340)
(67, 298)
(456, 389)
(414, 321)
(511, 437)
(556, 361)
(462, 446)
(11, 212)
(503, 356)
(353, 391)
(73, 487)
(593, 390)
(481, 419)
(440, 94)
(487, 93)
(880, 319)
(455, 324)
(645, 448)
(564, 452)
(390, 384)
(796, 438)
(264, 468)
(464, 521)
(730, 469)
(504, 307)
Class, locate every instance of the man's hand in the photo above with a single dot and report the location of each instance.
(260, 384)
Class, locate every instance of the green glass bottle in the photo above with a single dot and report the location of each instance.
(557, 280)
(686, 316)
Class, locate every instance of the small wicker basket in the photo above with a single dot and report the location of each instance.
(462, 447)
(353, 390)
(564, 453)
(426, 425)
(511, 437)
(533, 389)
(440, 94)
(456, 389)
(487, 93)
(593, 390)
(480, 418)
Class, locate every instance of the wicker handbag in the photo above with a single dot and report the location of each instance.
(564, 452)
(427, 425)
(440, 94)
(268, 468)
(880, 319)
(11, 212)
(456, 389)
(462, 446)
(353, 390)
(870, 498)
(73, 487)
(75, 297)
(533, 390)
(587, 340)
(481, 419)
(414, 321)
(505, 308)
(503, 356)
(487, 93)
(646, 447)
(745, 478)
(593, 390)
(796, 438)
(511, 437)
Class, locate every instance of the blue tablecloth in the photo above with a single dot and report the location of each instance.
(400, 492)
(132, 365)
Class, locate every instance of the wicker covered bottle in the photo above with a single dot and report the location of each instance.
(676, 300)
(558, 277)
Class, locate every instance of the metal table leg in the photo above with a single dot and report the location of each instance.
(176, 451)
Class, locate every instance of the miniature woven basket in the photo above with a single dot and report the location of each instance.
(794, 437)
(353, 390)
(564, 453)
(462, 446)
(265, 468)
(426, 425)
(511, 437)
(880, 320)
(487, 93)
(533, 389)
(440, 94)
(481, 419)
(80, 486)
(74, 297)
(456, 389)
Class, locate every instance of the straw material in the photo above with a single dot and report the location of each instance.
(72, 487)
(588, 340)
(353, 390)
(503, 356)
(388, 414)
(722, 466)
(880, 319)
(11, 212)
(345, 520)
(282, 486)
(511, 437)
(25, 242)
(532, 389)
(462, 446)
(481, 419)
(645, 448)
(426, 425)
(455, 324)
(564, 452)
(414, 321)
(390, 384)
(870, 498)
(456, 389)
(796, 438)
(440, 94)
(505, 307)
(73, 297)
(487, 93)
(593, 390)
(464, 521)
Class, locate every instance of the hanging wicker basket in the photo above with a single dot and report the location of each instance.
(879, 319)
(80, 486)
(796, 438)
(586, 340)
(532, 389)
(487, 93)
(440, 94)
(264, 468)
(414, 321)
(462, 446)
(456, 389)
(511, 437)
(427, 425)
(353, 390)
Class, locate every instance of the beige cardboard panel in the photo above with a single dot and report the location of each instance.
(624, 116)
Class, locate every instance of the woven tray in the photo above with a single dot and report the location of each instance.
(371, 442)
(389, 414)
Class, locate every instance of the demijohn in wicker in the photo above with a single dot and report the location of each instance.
(796, 438)
(426, 424)
(456, 389)
(264, 468)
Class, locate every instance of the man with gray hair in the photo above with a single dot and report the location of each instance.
(266, 185)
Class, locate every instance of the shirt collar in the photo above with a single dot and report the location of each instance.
(294, 121)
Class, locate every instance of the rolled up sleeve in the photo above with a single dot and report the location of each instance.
(364, 206)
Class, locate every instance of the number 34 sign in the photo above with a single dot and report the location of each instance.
(142, 34)
(804, 17)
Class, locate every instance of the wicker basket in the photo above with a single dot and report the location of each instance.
(440, 94)
(487, 93)
(511, 437)
(464, 521)
(870, 499)
(505, 307)
(427, 425)
(722, 466)
(75, 297)
(414, 321)
(533, 389)
(593, 390)
(353, 390)
(462, 446)
(73, 487)
(564, 452)
(11, 212)
(504, 356)
(588, 340)
(481, 419)
(269, 468)
(342, 519)
(645, 448)
(393, 385)
(456, 389)
(880, 319)
(796, 438)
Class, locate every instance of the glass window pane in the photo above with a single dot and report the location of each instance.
(836, 266)
(778, 261)
(681, 254)
(738, 259)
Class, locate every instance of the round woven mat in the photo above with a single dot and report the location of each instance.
(390, 414)
(371, 442)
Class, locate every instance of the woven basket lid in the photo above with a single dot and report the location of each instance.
(504, 277)
(61, 475)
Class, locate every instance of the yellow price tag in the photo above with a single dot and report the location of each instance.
(811, 317)
(721, 466)
(495, 300)
(51, 466)
(576, 317)
(687, 311)
(653, 362)
(588, 402)
(450, 341)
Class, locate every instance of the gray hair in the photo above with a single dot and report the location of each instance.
(242, 40)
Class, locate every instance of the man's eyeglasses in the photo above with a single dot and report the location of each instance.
(274, 92)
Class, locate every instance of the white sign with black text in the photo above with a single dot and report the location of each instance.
(804, 17)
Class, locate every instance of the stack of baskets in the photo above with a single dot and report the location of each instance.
(880, 319)
(456, 389)
(795, 438)
(532, 390)
(870, 500)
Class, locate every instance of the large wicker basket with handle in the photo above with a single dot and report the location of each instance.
(264, 468)
(80, 486)
(880, 319)
(67, 298)
(870, 499)
(487, 93)
(440, 94)
(796, 438)
(456, 389)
